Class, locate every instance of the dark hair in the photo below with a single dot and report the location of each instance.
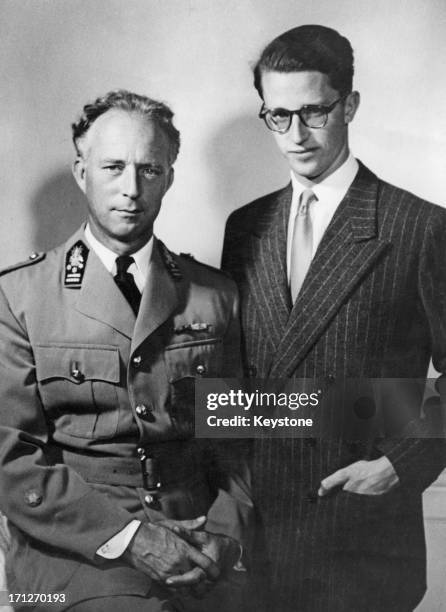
(309, 47)
(124, 100)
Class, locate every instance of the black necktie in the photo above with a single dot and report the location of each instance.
(126, 282)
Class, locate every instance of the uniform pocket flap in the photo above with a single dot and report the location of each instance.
(77, 362)
(194, 359)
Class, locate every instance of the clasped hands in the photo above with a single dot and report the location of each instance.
(180, 555)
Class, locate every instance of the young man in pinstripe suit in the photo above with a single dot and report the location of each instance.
(341, 276)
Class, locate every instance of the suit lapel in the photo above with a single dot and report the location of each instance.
(100, 298)
(159, 299)
(267, 277)
(349, 248)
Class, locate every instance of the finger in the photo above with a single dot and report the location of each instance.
(204, 562)
(189, 578)
(193, 524)
(351, 487)
(182, 527)
(196, 538)
(334, 480)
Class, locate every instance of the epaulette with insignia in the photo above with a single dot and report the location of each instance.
(32, 259)
(190, 257)
(170, 262)
(75, 263)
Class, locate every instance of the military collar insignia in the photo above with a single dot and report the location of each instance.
(170, 262)
(75, 263)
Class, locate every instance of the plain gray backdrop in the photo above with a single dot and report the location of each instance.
(55, 55)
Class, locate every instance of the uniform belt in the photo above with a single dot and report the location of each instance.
(160, 466)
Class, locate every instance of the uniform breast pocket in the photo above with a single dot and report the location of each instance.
(78, 388)
(195, 358)
(185, 363)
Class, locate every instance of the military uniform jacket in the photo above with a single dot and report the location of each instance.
(84, 387)
(372, 306)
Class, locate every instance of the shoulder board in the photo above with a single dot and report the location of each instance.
(32, 259)
(190, 257)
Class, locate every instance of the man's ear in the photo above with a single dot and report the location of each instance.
(351, 106)
(170, 178)
(78, 169)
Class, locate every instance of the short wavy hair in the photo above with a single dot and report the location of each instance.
(309, 47)
(121, 99)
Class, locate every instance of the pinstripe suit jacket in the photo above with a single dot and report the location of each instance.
(373, 305)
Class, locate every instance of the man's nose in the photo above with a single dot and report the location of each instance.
(298, 132)
(131, 183)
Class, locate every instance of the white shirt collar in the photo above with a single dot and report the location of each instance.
(335, 186)
(108, 257)
(330, 193)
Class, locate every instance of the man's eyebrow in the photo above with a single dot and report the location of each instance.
(112, 160)
(285, 108)
(116, 160)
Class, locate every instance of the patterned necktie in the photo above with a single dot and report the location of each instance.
(126, 282)
(302, 245)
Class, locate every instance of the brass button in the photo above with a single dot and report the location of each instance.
(201, 369)
(149, 499)
(33, 499)
(33, 255)
(137, 361)
(142, 410)
(76, 373)
(141, 452)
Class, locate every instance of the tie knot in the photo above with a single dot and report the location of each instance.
(123, 262)
(306, 198)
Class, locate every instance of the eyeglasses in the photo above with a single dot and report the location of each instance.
(312, 115)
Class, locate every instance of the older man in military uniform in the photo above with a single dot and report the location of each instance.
(101, 341)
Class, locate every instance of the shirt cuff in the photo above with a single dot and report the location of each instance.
(115, 547)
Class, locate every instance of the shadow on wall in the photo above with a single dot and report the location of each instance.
(56, 211)
(244, 163)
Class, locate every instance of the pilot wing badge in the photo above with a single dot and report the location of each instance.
(75, 263)
(193, 327)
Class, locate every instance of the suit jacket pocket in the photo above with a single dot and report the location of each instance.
(390, 523)
(77, 384)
